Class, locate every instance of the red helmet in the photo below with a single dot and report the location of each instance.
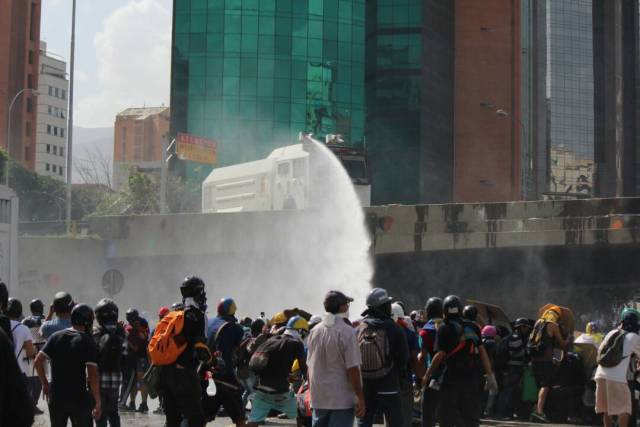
(163, 312)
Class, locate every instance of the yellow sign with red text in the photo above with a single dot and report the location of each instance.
(196, 148)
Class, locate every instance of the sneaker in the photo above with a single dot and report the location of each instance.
(143, 408)
(538, 418)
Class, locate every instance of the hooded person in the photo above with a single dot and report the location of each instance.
(384, 373)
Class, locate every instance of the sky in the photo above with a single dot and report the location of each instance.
(122, 54)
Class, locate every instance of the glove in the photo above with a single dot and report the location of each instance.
(203, 353)
(491, 384)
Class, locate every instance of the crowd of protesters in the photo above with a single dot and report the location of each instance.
(444, 364)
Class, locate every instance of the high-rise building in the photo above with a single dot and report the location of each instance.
(19, 44)
(51, 136)
(251, 74)
(140, 136)
(443, 109)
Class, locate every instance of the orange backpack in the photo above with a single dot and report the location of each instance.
(163, 349)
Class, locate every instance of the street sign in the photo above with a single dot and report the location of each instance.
(196, 148)
(112, 282)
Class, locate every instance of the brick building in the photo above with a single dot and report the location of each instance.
(19, 67)
(140, 135)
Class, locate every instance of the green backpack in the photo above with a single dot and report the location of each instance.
(610, 352)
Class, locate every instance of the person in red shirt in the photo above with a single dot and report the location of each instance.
(137, 340)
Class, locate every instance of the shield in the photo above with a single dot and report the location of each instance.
(490, 314)
(567, 320)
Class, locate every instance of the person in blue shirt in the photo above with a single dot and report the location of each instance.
(62, 305)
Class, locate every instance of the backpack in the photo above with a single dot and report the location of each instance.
(163, 349)
(110, 347)
(610, 352)
(536, 345)
(375, 349)
(265, 355)
(463, 357)
(245, 351)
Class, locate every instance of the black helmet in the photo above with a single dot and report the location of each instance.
(36, 307)
(433, 307)
(62, 302)
(452, 307)
(106, 311)
(521, 321)
(176, 306)
(191, 287)
(132, 315)
(378, 297)
(82, 315)
(14, 308)
(470, 312)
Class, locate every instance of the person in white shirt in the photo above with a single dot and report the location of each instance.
(613, 396)
(22, 338)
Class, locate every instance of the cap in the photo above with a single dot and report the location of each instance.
(336, 299)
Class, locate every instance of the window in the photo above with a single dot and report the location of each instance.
(283, 169)
(55, 131)
(56, 91)
(61, 151)
(62, 114)
(54, 168)
(47, 167)
(30, 56)
(55, 111)
(49, 129)
(60, 170)
(29, 105)
(61, 133)
(50, 91)
(33, 26)
(48, 148)
(27, 128)
(50, 110)
(30, 81)
(64, 93)
(27, 153)
(55, 150)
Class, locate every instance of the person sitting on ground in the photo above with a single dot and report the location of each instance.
(62, 305)
(613, 396)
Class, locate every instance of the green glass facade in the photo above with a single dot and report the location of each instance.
(251, 74)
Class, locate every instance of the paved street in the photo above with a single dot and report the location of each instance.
(150, 420)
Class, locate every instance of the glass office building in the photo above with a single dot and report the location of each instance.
(251, 74)
(570, 96)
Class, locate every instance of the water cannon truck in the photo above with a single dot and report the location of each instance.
(281, 181)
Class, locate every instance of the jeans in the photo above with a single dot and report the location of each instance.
(61, 412)
(509, 395)
(459, 402)
(389, 404)
(333, 417)
(109, 398)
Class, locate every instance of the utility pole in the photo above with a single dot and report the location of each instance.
(163, 175)
(70, 115)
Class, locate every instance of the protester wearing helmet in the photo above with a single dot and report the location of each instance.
(513, 349)
(73, 355)
(109, 337)
(384, 374)
(458, 344)
(179, 381)
(272, 365)
(546, 337)
(225, 336)
(333, 356)
(613, 396)
(34, 323)
(62, 305)
(430, 395)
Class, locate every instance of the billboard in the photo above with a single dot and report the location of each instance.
(196, 149)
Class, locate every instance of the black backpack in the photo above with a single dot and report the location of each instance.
(245, 350)
(110, 346)
(375, 350)
(266, 355)
(462, 359)
(610, 353)
(536, 345)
